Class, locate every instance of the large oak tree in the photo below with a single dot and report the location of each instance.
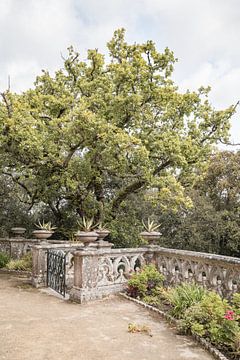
(102, 129)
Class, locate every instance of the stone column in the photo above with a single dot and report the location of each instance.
(85, 276)
(151, 254)
(39, 271)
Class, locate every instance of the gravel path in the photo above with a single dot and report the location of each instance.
(37, 326)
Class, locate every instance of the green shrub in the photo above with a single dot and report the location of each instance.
(145, 282)
(4, 259)
(24, 264)
(236, 300)
(184, 296)
(213, 318)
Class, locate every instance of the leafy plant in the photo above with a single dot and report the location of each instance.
(101, 226)
(212, 317)
(4, 259)
(86, 224)
(184, 296)
(24, 264)
(150, 225)
(145, 282)
(45, 226)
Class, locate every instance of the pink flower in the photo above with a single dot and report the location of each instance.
(229, 315)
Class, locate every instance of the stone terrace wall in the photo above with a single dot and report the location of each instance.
(93, 273)
(19, 246)
(16, 247)
(98, 273)
(215, 272)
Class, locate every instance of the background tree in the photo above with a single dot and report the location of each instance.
(212, 224)
(86, 139)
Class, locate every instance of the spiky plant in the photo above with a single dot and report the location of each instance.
(45, 226)
(86, 224)
(150, 226)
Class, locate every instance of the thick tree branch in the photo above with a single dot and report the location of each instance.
(130, 189)
(7, 104)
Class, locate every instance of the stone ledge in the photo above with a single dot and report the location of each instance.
(198, 255)
(84, 295)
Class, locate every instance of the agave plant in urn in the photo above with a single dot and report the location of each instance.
(150, 234)
(101, 230)
(45, 230)
(85, 233)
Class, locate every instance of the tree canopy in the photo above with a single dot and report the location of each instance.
(100, 130)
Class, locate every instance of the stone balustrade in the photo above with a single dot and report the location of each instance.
(98, 273)
(95, 272)
(215, 272)
(16, 247)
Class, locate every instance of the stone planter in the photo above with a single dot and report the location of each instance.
(42, 234)
(151, 237)
(102, 233)
(86, 237)
(18, 231)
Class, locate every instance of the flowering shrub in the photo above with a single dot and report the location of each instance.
(229, 315)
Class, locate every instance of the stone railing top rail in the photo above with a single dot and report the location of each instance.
(197, 255)
(57, 245)
(18, 239)
(110, 252)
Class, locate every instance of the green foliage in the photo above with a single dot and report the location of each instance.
(23, 264)
(183, 297)
(212, 317)
(86, 139)
(145, 282)
(236, 300)
(4, 259)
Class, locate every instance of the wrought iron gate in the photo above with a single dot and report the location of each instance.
(56, 271)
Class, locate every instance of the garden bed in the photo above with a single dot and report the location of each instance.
(214, 322)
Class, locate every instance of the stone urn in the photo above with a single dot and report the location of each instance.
(150, 236)
(102, 233)
(18, 231)
(86, 237)
(42, 234)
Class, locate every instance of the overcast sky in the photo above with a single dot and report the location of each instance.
(204, 35)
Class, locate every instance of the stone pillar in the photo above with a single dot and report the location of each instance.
(39, 271)
(85, 276)
(151, 254)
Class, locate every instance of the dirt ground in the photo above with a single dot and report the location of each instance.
(37, 326)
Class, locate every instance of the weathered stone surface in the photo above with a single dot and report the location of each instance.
(97, 272)
(16, 247)
(215, 272)
(100, 272)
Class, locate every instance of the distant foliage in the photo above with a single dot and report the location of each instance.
(4, 259)
(23, 264)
